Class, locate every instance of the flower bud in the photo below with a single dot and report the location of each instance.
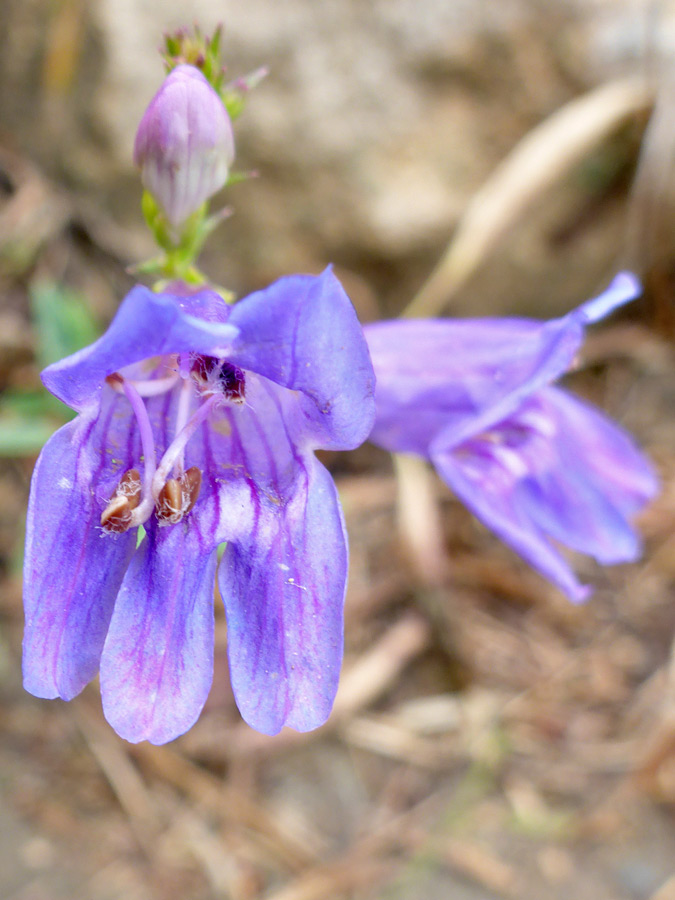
(184, 145)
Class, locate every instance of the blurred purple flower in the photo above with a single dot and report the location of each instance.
(184, 144)
(185, 402)
(535, 464)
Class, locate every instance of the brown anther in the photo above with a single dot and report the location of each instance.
(178, 496)
(130, 487)
(115, 381)
(116, 517)
(191, 483)
(169, 505)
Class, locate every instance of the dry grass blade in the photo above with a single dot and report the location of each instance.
(535, 163)
(480, 866)
(377, 670)
(335, 881)
(658, 748)
(666, 891)
(652, 184)
(228, 803)
(364, 863)
(123, 777)
(419, 518)
(388, 738)
(208, 849)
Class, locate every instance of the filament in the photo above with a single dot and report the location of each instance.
(175, 450)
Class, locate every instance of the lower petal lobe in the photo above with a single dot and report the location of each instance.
(282, 578)
(493, 495)
(72, 571)
(157, 662)
(598, 481)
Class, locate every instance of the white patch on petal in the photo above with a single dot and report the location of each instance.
(291, 581)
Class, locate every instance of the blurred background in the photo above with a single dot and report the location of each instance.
(489, 740)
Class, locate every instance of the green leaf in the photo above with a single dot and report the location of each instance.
(23, 437)
(63, 322)
(26, 404)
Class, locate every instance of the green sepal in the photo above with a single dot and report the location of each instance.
(235, 94)
(157, 221)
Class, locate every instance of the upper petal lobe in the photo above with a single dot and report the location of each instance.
(303, 334)
(460, 377)
(146, 325)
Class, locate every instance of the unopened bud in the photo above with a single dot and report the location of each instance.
(184, 145)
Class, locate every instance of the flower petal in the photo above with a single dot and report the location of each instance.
(623, 288)
(282, 579)
(72, 571)
(460, 377)
(302, 333)
(493, 493)
(146, 325)
(598, 481)
(157, 662)
(283, 573)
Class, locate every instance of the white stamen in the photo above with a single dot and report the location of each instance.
(177, 446)
(182, 416)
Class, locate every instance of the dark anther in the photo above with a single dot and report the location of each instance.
(219, 377)
(115, 381)
(116, 517)
(178, 496)
(232, 382)
(203, 367)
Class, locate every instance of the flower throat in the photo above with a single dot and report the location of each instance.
(167, 488)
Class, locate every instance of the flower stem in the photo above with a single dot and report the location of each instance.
(182, 416)
(145, 507)
(175, 450)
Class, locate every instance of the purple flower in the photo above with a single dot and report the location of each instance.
(184, 145)
(535, 464)
(200, 422)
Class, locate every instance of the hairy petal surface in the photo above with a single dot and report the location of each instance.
(302, 333)
(72, 571)
(157, 662)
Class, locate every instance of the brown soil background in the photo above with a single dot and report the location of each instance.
(489, 740)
